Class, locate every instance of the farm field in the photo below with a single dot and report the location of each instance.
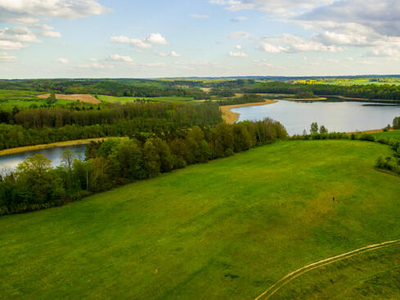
(11, 98)
(228, 229)
(24, 99)
(123, 100)
(74, 97)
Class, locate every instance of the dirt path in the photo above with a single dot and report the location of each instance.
(288, 278)
(231, 117)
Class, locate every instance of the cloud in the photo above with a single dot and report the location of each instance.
(9, 45)
(63, 61)
(238, 54)
(263, 63)
(163, 54)
(384, 52)
(356, 23)
(116, 57)
(238, 19)
(141, 43)
(28, 11)
(18, 34)
(289, 43)
(96, 66)
(19, 37)
(271, 6)
(334, 24)
(174, 54)
(239, 35)
(156, 38)
(5, 57)
(41, 26)
(200, 16)
(51, 34)
(136, 43)
(381, 16)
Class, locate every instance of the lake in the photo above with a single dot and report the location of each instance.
(340, 116)
(10, 162)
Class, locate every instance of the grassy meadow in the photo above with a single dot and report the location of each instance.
(395, 134)
(23, 99)
(228, 229)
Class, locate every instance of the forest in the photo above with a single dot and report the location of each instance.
(37, 185)
(49, 125)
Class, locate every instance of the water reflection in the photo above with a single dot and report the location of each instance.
(10, 162)
(335, 115)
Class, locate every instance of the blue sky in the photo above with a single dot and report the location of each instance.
(145, 39)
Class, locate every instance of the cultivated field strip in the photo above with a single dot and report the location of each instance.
(299, 272)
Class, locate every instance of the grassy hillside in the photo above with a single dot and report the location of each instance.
(389, 134)
(224, 230)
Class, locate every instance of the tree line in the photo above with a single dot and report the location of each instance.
(371, 91)
(37, 185)
(49, 125)
(111, 87)
(246, 98)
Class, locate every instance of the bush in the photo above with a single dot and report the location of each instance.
(366, 137)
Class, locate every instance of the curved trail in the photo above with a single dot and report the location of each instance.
(288, 278)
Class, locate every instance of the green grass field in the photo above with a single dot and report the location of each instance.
(23, 99)
(123, 100)
(389, 134)
(373, 275)
(228, 229)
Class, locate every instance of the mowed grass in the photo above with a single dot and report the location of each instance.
(371, 275)
(395, 134)
(228, 229)
(123, 100)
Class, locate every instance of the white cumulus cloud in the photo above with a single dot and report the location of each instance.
(28, 11)
(174, 54)
(238, 54)
(289, 43)
(141, 43)
(116, 57)
(156, 38)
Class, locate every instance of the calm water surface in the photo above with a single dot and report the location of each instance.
(335, 115)
(10, 162)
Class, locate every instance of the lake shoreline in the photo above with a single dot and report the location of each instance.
(18, 150)
(231, 117)
(237, 115)
(306, 99)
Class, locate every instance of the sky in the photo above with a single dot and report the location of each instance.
(204, 38)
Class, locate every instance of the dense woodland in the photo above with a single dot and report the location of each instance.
(192, 88)
(246, 98)
(49, 125)
(36, 185)
(111, 87)
(372, 91)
